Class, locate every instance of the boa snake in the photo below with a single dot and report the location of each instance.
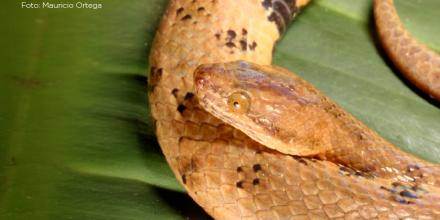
(319, 162)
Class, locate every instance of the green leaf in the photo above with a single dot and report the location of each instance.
(76, 140)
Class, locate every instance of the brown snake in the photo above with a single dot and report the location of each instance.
(295, 154)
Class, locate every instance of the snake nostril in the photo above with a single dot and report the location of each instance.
(200, 82)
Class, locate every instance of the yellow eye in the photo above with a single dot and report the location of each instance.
(239, 102)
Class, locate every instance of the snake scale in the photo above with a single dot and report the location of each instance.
(315, 161)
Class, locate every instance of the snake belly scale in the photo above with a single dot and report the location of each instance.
(234, 177)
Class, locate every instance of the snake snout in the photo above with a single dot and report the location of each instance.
(201, 77)
(208, 76)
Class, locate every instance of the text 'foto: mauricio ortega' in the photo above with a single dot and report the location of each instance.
(50, 5)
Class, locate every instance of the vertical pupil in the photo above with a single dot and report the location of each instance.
(236, 104)
(239, 102)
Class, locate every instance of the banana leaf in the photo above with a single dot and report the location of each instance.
(76, 138)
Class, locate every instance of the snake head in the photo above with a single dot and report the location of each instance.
(267, 103)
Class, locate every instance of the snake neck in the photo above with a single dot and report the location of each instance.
(282, 12)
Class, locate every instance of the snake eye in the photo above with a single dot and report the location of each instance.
(239, 102)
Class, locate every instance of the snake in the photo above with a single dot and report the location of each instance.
(251, 140)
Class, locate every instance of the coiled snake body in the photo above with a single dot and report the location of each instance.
(296, 154)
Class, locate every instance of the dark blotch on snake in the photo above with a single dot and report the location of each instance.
(408, 194)
(189, 96)
(274, 17)
(256, 167)
(181, 108)
(243, 45)
(299, 159)
(152, 70)
(239, 184)
(174, 92)
(253, 45)
(231, 35)
(179, 10)
(303, 161)
(183, 179)
(387, 189)
(155, 75)
(285, 12)
(255, 182)
(186, 17)
(239, 169)
(267, 4)
(230, 44)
